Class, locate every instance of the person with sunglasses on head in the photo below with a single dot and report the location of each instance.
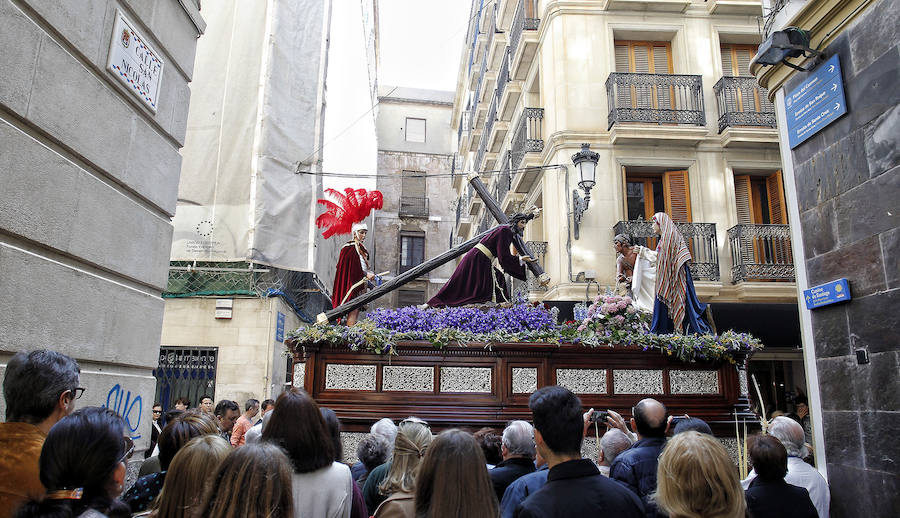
(82, 465)
(39, 388)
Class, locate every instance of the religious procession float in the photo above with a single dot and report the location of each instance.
(471, 357)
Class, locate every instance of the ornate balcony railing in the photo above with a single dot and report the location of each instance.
(539, 249)
(761, 253)
(491, 115)
(462, 208)
(742, 102)
(699, 237)
(482, 149)
(485, 223)
(413, 206)
(527, 136)
(465, 125)
(655, 98)
(504, 180)
(503, 74)
(521, 23)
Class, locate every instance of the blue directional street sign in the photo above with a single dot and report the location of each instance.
(825, 294)
(816, 103)
(279, 327)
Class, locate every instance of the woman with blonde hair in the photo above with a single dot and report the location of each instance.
(413, 439)
(697, 479)
(188, 475)
(253, 480)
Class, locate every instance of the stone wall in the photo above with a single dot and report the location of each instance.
(89, 179)
(848, 182)
(251, 362)
(437, 226)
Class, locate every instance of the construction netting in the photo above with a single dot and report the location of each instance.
(302, 290)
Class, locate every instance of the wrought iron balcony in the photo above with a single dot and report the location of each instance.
(527, 136)
(482, 149)
(655, 98)
(742, 102)
(503, 74)
(462, 208)
(413, 206)
(539, 249)
(761, 253)
(521, 23)
(699, 237)
(465, 125)
(491, 115)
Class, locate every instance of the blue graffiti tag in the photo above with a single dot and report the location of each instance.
(119, 400)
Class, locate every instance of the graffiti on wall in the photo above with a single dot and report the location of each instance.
(131, 409)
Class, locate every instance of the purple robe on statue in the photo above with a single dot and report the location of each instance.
(472, 282)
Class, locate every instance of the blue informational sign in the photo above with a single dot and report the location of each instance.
(816, 103)
(831, 293)
(279, 327)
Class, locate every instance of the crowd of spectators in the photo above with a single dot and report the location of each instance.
(284, 459)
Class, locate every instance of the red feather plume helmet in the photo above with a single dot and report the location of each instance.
(353, 206)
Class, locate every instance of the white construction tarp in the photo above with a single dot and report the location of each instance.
(256, 114)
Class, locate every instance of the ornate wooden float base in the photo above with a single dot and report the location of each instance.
(474, 386)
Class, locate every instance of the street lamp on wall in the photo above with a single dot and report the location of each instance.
(586, 164)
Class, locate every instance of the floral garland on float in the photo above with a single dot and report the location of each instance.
(611, 321)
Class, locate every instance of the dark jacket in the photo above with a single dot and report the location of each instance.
(576, 488)
(507, 471)
(778, 499)
(636, 468)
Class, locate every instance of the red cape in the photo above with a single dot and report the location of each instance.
(349, 272)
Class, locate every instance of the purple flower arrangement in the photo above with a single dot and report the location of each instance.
(521, 318)
(612, 321)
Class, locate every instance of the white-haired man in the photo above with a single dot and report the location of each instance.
(517, 451)
(790, 434)
(352, 271)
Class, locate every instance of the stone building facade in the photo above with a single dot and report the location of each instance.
(89, 174)
(662, 91)
(415, 163)
(843, 184)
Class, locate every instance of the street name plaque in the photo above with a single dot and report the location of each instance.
(827, 294)
(816, 103)
(134, 63)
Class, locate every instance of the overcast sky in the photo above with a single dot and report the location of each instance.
(421, 41)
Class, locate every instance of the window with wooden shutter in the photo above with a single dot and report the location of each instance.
(775, 192)
(736, 59)
(677, 195)
(646, 57)
(643, 57)
(760, 201)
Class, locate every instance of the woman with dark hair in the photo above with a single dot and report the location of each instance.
(453, 481)
(157, 423)
(253, 480)
(769, 494)
(83, 465)
(181, 429)
(477, 278)
(358, 509)
(321, 486)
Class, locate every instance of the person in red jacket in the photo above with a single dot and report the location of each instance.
(352, 271)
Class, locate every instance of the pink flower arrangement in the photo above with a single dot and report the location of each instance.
(612, 315)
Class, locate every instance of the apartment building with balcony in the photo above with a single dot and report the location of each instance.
(661, 89)
(415, 163)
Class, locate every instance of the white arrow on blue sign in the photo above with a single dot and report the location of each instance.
(816, 102)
